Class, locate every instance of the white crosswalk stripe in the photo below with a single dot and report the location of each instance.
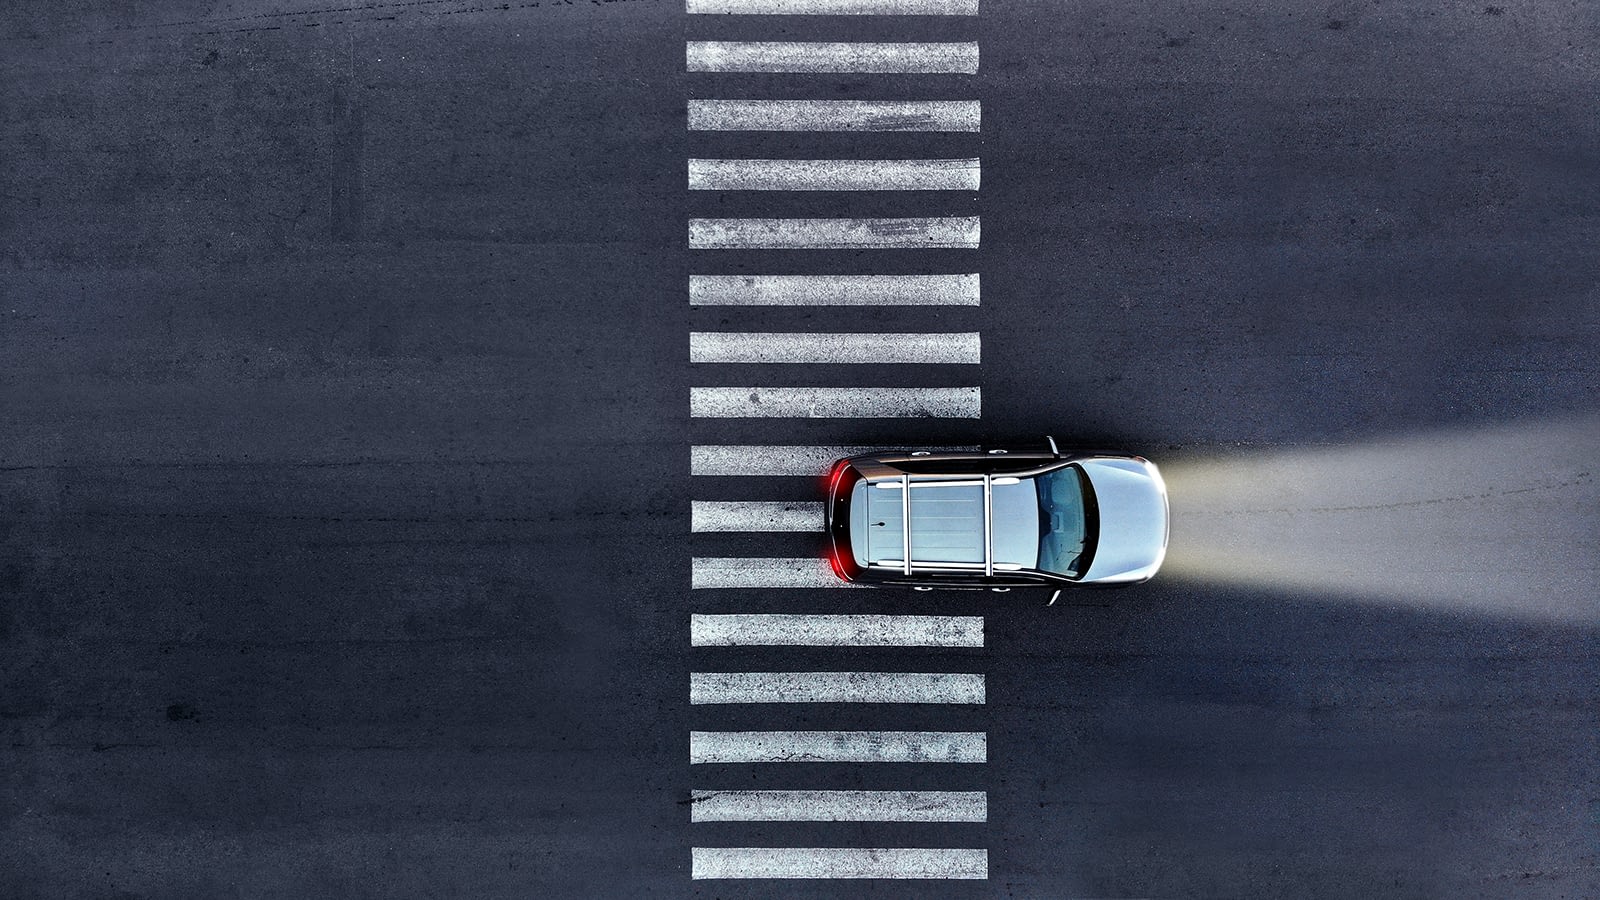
(761, 195)
(838, 806)
(835, 687)
(762, 572)
(874, 348)
(750, 515)
(834, 174)
(835, 403)
(834, 7)
(833, 290)
(835, 115)
(834, 630)
(837, 862)
(833, 57)
(912, 233)
(710, 747)
(789, 459)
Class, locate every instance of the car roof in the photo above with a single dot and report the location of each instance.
(912, 522)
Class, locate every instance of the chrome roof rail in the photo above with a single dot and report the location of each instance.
(925, 566)
(905, 517)
(988, 526)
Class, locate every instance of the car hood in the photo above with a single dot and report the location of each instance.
(1133, 519)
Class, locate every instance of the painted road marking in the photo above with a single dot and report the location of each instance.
(953, 348)
(935, 233)
(835, 115)
(743, 515)
(707, 747)
(731, 171)
(833, 290)
(834, 174)
(837, 862)
(911, 58)
(838, 806)
(835, 687)
(791, 630)
(763, 572)
(835, 403)
(834, 7)
(752, 459)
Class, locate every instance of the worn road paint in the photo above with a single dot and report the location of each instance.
(835, 687)
(906, 57)
(826, 630)
(833, 290)
(749, 515)
(835, 115)
(762, 572)
(918, 233)
(706, 747)
(838, 806)
(868, 348)
(834, 174)
(835, 403)
(833, 7)
(752, 459)
(837, 862)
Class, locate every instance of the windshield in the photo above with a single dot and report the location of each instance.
(1067, 519)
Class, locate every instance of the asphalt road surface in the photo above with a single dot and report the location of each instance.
(352, 530)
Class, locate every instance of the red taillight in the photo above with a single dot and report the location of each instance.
(833, 562)
(833, 479)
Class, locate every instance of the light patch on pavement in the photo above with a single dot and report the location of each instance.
(835, 115)
(899, 58)
(866, 348)
(837, 862)
(838, 806)
(834, 174)
(834, 7)
(833, 290)
(1499, 521)
(707, 747)
(915, 233)
(835, 403)
(835, 687)
(749, 515)
(795, 630)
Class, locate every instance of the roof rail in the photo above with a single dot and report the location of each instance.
(904, 483)
(905, 517)
(988, 526)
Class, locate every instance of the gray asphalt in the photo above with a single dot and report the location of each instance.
(343, 445)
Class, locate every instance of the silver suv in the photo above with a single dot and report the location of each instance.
(997, 520)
